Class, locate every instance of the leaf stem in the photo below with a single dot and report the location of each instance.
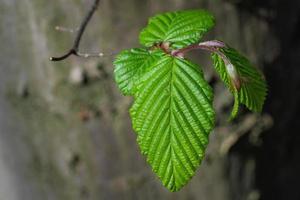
(211, 46)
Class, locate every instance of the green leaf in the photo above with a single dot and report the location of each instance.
(131, 64)
(236, 104)
(172, 115)
(242, 78)
(180, 28)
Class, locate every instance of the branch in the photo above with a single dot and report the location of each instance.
(75, 47)
(64, 29)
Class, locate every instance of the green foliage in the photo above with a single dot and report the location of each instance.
(173, 117)
(131, 64)
(179, 28)
(246, 82)
(172, 112)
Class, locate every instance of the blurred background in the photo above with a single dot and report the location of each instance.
(65, 132)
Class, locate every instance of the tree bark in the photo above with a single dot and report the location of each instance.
(65, 128)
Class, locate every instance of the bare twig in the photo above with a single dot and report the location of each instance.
(64, 29)
(75, 47)
(213, 46)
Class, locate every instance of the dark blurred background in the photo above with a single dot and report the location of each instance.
(65, 131)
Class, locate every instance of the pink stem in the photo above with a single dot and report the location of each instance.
(211, 46)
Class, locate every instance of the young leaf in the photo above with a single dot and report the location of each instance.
(173, 116)
(242, 78)
(180, 28)
(131, 64)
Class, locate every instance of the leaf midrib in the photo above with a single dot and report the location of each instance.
(171, 120)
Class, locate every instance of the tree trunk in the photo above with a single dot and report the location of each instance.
(65, 131)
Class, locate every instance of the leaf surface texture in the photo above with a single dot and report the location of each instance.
(180, 28)
(173, 116)
(131, 65)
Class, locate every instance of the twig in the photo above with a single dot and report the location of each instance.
(64, 29)
(75, 47)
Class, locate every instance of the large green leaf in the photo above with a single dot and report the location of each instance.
(131, 64)
(173, 116)
(172, 113)
(179, 28)
(242, 78)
